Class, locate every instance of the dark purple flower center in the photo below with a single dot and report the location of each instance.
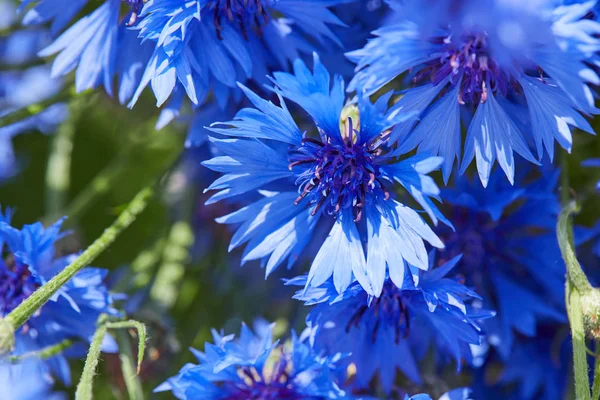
(135, 7)
(273, 384)
(246, 13)
(387, 311)
(466, 61)
(16, 284)
(339, 175)
(479, 239)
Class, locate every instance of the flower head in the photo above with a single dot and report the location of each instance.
(386, 333)
(339, 178)
(256, 367)
(29, 262)
(99, 46)
(510, 255)
(212, 45)
(517, 74)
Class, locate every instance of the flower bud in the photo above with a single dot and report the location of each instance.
(590, 305)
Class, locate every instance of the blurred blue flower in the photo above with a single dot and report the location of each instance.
(593, 163)
(23, 83)
(338, 179)
(256, 367)
(382, 334)
(455, 394)
(360, 18)
(100, 45)
(538, 368)
(203, 46)
(28, 262)
(26, 380)
(506, 235)
(516, 73)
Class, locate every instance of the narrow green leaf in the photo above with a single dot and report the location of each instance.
(132, 383)
(142, 336)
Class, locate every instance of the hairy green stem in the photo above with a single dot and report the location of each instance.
(582, 382)
(58, 169)
(142, 336)
(34, 109)
(132, 383)
(596, 384)
(86, 383)
(30, 305)
(44, 353)
(564, 231)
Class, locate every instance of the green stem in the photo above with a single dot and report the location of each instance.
(85, 386)
(132, 383)
(44, 353)
(100, 185)
(596, 385)
(58, 170)
(564, 231)
(28, 307)
(34, 109)
(142, 336)
(582, 383)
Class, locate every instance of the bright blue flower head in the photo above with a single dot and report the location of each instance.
(212, 45)
(338, 177)
(28, 262)
(510, 255)
(515, 73)
(100, 46)
(255, 367)
(385, 334)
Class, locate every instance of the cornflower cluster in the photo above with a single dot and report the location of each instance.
(328, 142)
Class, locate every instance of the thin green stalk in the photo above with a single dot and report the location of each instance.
(100, 185)
(26, 309)
(564, 231)
(34, 109)
(582, 382)
(58, 169)
(132, 383)
(142, 336)
(86, 383)
(596, 384)
(44, 353)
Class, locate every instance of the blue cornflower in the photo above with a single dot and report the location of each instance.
(100, 45)
(28, 262)
(385, 334)
(506, 235)
(256, 367)
(21, 86)
(26, 380)
(515, 72)
(455, 394)
(538, 368)
(211, 45)
(338, 179)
